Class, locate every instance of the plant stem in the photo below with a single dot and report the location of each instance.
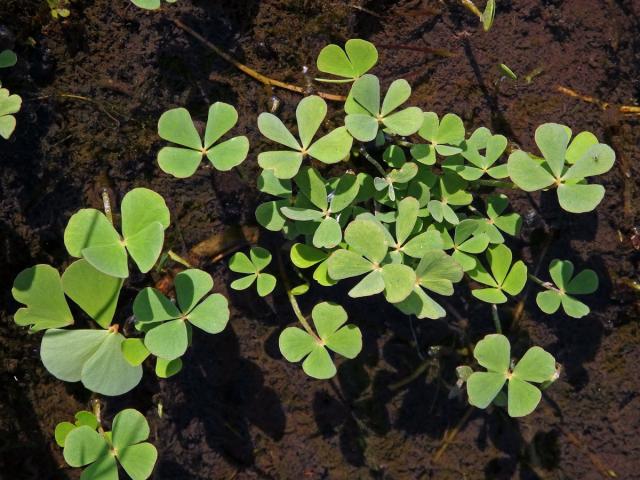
(251, 72)
(107, 205)
(292, 299)
(543, 284)
(495, 183)
(496, 318)
(469, 5)
(373, 161)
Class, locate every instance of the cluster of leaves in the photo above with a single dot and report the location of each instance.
(102, 358)
(9, 104)
(86, 444)
(522, 396)
(411, 222)
(59, 8)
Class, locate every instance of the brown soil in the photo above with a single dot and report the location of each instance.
(238, 410)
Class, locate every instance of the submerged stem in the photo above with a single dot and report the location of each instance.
(496, 318)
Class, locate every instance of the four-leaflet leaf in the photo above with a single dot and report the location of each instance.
(567, 284)
(253, 266)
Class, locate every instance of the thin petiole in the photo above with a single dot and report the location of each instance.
(373, 161)
(496, 318)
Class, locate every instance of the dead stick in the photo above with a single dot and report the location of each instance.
(251, 72)
(624, 109)
(449, 436)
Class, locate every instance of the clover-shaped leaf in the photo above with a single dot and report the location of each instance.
(8, 58)
(445, 137)
(170, 324)
(497, 221)
(494, 353)
(567, 285)
(368, 243)
(564, 165)
(329, 320)
(93, 357)
(467, 242)
(9, 104)
(306, 256)
(436, 272)
(504, 277)
(481, 150)
(310, 113)
(253, 267)
(90, 235)
(449, 190)
(176, 126)
(125, 444)
(319, 209)
(82, 417)
(268, 214)
(406, 241)
(365, 114)
(357, 58)
(40, 289)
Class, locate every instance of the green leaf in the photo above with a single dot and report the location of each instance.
(221, 118)
(398, 93)
(399, 281)
(552, 140)
(523, 398)
(488, 15)
(360, 57)
(312, 186)
(212, 314)
(579, 146)
(40, 289)
(367, 238)
(363, 127)
(150, 305)
(91, 356)
(344, 193)
(536, 365)
(229, 153)
(62, 430)
(265, 284)
(176, 126)
(437, 272)
(346, 264)
(329, 320)
(597, 160)
(482, 387)
(138, 460)
(493, 352)
(573, 307)
(364, 97)
(269, 183)
(490, 295)
(371, 284)
(169, 340)
(406, 218)
(548, 301)
(310, 113)
(333, 147)
(580, 198)
(84, 417)
(8, 58)
(561, 272)
(528, 174)
(272, 127)
(515, 281)
(129, 427)
(96, 293)
(83, 446)
(319, 364)
(585, 282)
(260, 257)
(240, 263)
(168, 368)
(191, 287)
(328, 234)
(134, 351)
(244, 282)
(305, 256)
(269, 216)
(405, 122)
(179, 162)
(295, 344)
(283, 163)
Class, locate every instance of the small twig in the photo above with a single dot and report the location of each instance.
(251, 72)
(624, 109)
(449, 436)
(84, 99)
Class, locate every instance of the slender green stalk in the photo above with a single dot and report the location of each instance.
(177, 258)
(496, 318)
(542, 283)
(292, 300)
(373, 161)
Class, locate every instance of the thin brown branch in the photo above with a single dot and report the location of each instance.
(624, 109)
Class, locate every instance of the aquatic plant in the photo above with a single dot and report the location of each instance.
(86, 444)
(9, 104)
(8, 58)
(176, 126)
(59, 8)
(253, 266)
(536, 366)
(150, 4)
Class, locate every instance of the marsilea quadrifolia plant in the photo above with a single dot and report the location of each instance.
(389, 200)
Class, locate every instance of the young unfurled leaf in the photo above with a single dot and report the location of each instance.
(253, 268)
(170, 324)
(357, 58)
(564, 165)
(329, 320)
(102, 452)
(93, 357)
(168, 368)
(311, 111)
(488, 15)
(40, 289)
(494, 353)
(90, 235)
(8, 58)
(176, 126)
(504, 277)
(9, 104)
(445, 137)
(568, 285)
(436, 272)
(365, 114)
